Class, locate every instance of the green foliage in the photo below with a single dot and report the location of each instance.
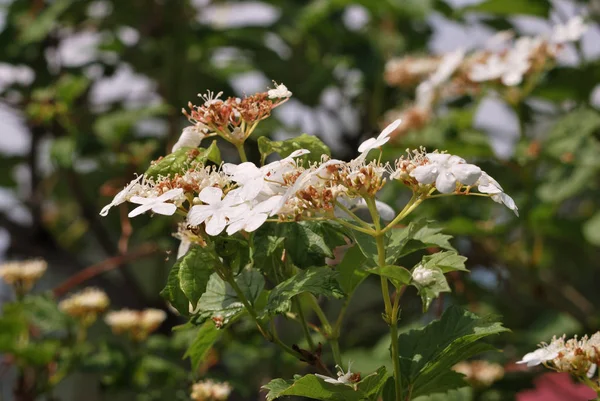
(286, 147)
(352, 269)
(194, 270)
(315, 280)
(540, 8)
(182, 159)
(398, 275)
(205, 338)
(445, 261)
(221, 300)
(312, 387)
(416, 236)
(427, 354)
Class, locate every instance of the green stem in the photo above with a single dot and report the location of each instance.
(335, 349)
(241, 151)
(320, 314)
(408, 208)
(391, 311)
(354, 216)
(331, 335)
(355, 227)
(302, 319)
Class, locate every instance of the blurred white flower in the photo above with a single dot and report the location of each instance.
(280, 92)
(190, 137)
(571, 31)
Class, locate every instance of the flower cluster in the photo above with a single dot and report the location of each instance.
(85, 305)
(22, 275)
(209, 390)
(233, 118)
(242, 197)
(457, 74)
(138, 324)
(577, 356)
(480, 373)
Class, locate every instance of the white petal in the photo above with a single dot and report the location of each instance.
(445, 182)
(366, 145)
(184, 247)
(438, 158)
(255, 221)
(105, 210)
(299, 152)
(169, 195)
(190, 137)
(387, 131)
(139, 210)
(199, 213)
(385, 211)
(234, 227)
(141, 201)
(426, 174)
(166, 209)
(210, 195)
(467, 174)
(591, 371)
(216, 224)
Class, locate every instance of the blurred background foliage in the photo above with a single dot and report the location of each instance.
(91, 92)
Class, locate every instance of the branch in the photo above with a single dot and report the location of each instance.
(103, 267)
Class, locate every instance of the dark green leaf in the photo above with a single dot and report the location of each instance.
(446, 261)
(173, 292)
(206, 337)
(316, 280)
(418, 235)
(539, 8)
(352, 270)
(430, 352)
(591, 230)
(285, 148)
(221, 301)
(195, 269)
(312, 387)
(398, 275)
(182, 159)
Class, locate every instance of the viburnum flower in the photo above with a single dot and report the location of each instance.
(253, 217)
(576, 356)
(22, 275)
(571, 31)
(190, 137)
(423, 276)
(348, 378)
(446, 171)
(280, 92)
(381, 139)
(209, 390)
(159, 204)
(86, 303)
(123, 195)
(216, 211)
(480, 373)
(488, 185)
(448, 65)
(138, 324)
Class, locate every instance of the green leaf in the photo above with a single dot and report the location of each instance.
(398, 275)
(310, 386)
(173, 292)
(206, 337)
(268, 248)
(194, 271)
(183, 159)
(37, 27)
(539, 8)
(460, 394)
(570, 134)
(114, 128)
(352, 270)
(316, 280)
(446, 261)
(285, 148)
(416, 236)
(220, 299)
(42, 311)
(591, 230)
(235, 251)
(428, 354)
(62, 151)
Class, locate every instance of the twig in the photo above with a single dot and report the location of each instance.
(103, 267)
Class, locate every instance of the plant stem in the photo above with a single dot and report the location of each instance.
(302, 319)
(353, 215)
(408, 208)
(355, 227)
(391, 312)
(331, 335)
(241, 151)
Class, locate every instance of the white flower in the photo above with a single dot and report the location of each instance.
(571, 31)
(450, 62)
(381, 140)
(423, 276)
(90, 301)
(122, 196)
(216, 211)
(541, 355)
(488, 185)
(347, 378)
(280, 92)
(250, 178)
(158, 205)
(190, 137)
(493, 68)
(254, 217)
(446, 171)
